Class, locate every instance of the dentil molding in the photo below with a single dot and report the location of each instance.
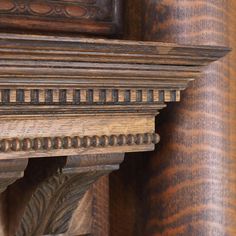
(70, 105)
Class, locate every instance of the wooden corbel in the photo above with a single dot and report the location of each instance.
(70, 105)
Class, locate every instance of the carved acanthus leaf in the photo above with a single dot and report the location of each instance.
(55, 198)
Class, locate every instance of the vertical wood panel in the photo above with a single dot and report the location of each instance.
(127, 196)
(3, 214)
(192, 185)
(232, 58)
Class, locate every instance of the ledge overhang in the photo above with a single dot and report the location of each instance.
(62, 96)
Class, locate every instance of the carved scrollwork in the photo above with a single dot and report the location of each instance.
(59, 196)
(57, 186)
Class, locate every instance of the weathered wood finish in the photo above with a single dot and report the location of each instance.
(192, 175)
(76, 16)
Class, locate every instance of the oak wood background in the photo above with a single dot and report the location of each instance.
(192, 188)
(190, 181)
(232, 71)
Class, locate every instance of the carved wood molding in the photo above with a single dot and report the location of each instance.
(94, 16)
(50, 143)
(53, 188)
(84, 97)
(64, 96)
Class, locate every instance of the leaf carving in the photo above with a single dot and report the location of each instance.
(57, 186)
(53, 203)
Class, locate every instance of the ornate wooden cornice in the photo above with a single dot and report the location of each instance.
(96, 94)
(64, 96)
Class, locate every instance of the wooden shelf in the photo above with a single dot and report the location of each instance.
(88, 100)
(67, 96)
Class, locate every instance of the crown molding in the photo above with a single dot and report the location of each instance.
(86, 99)
(101, 87)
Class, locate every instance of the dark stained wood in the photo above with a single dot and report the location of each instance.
(71, 79)
(51, 191)
(81, 222)
(92, 213)
(74, 16)
(100, 207)
(93, 98)
(3, 214)
(192, 175)
(128, 198)
(232, 112)
(11, 170)
(133, 18)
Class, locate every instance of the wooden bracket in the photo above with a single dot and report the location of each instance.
(87, 99)
(10, 171)
(52, 189)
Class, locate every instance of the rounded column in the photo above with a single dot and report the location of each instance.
(192, 175)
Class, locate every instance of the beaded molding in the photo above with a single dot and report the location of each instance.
(53, 143)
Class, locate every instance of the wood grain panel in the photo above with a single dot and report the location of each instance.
(128, 198)
(82, 126)
(192, 176)
(232, 71)
(3, 214)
